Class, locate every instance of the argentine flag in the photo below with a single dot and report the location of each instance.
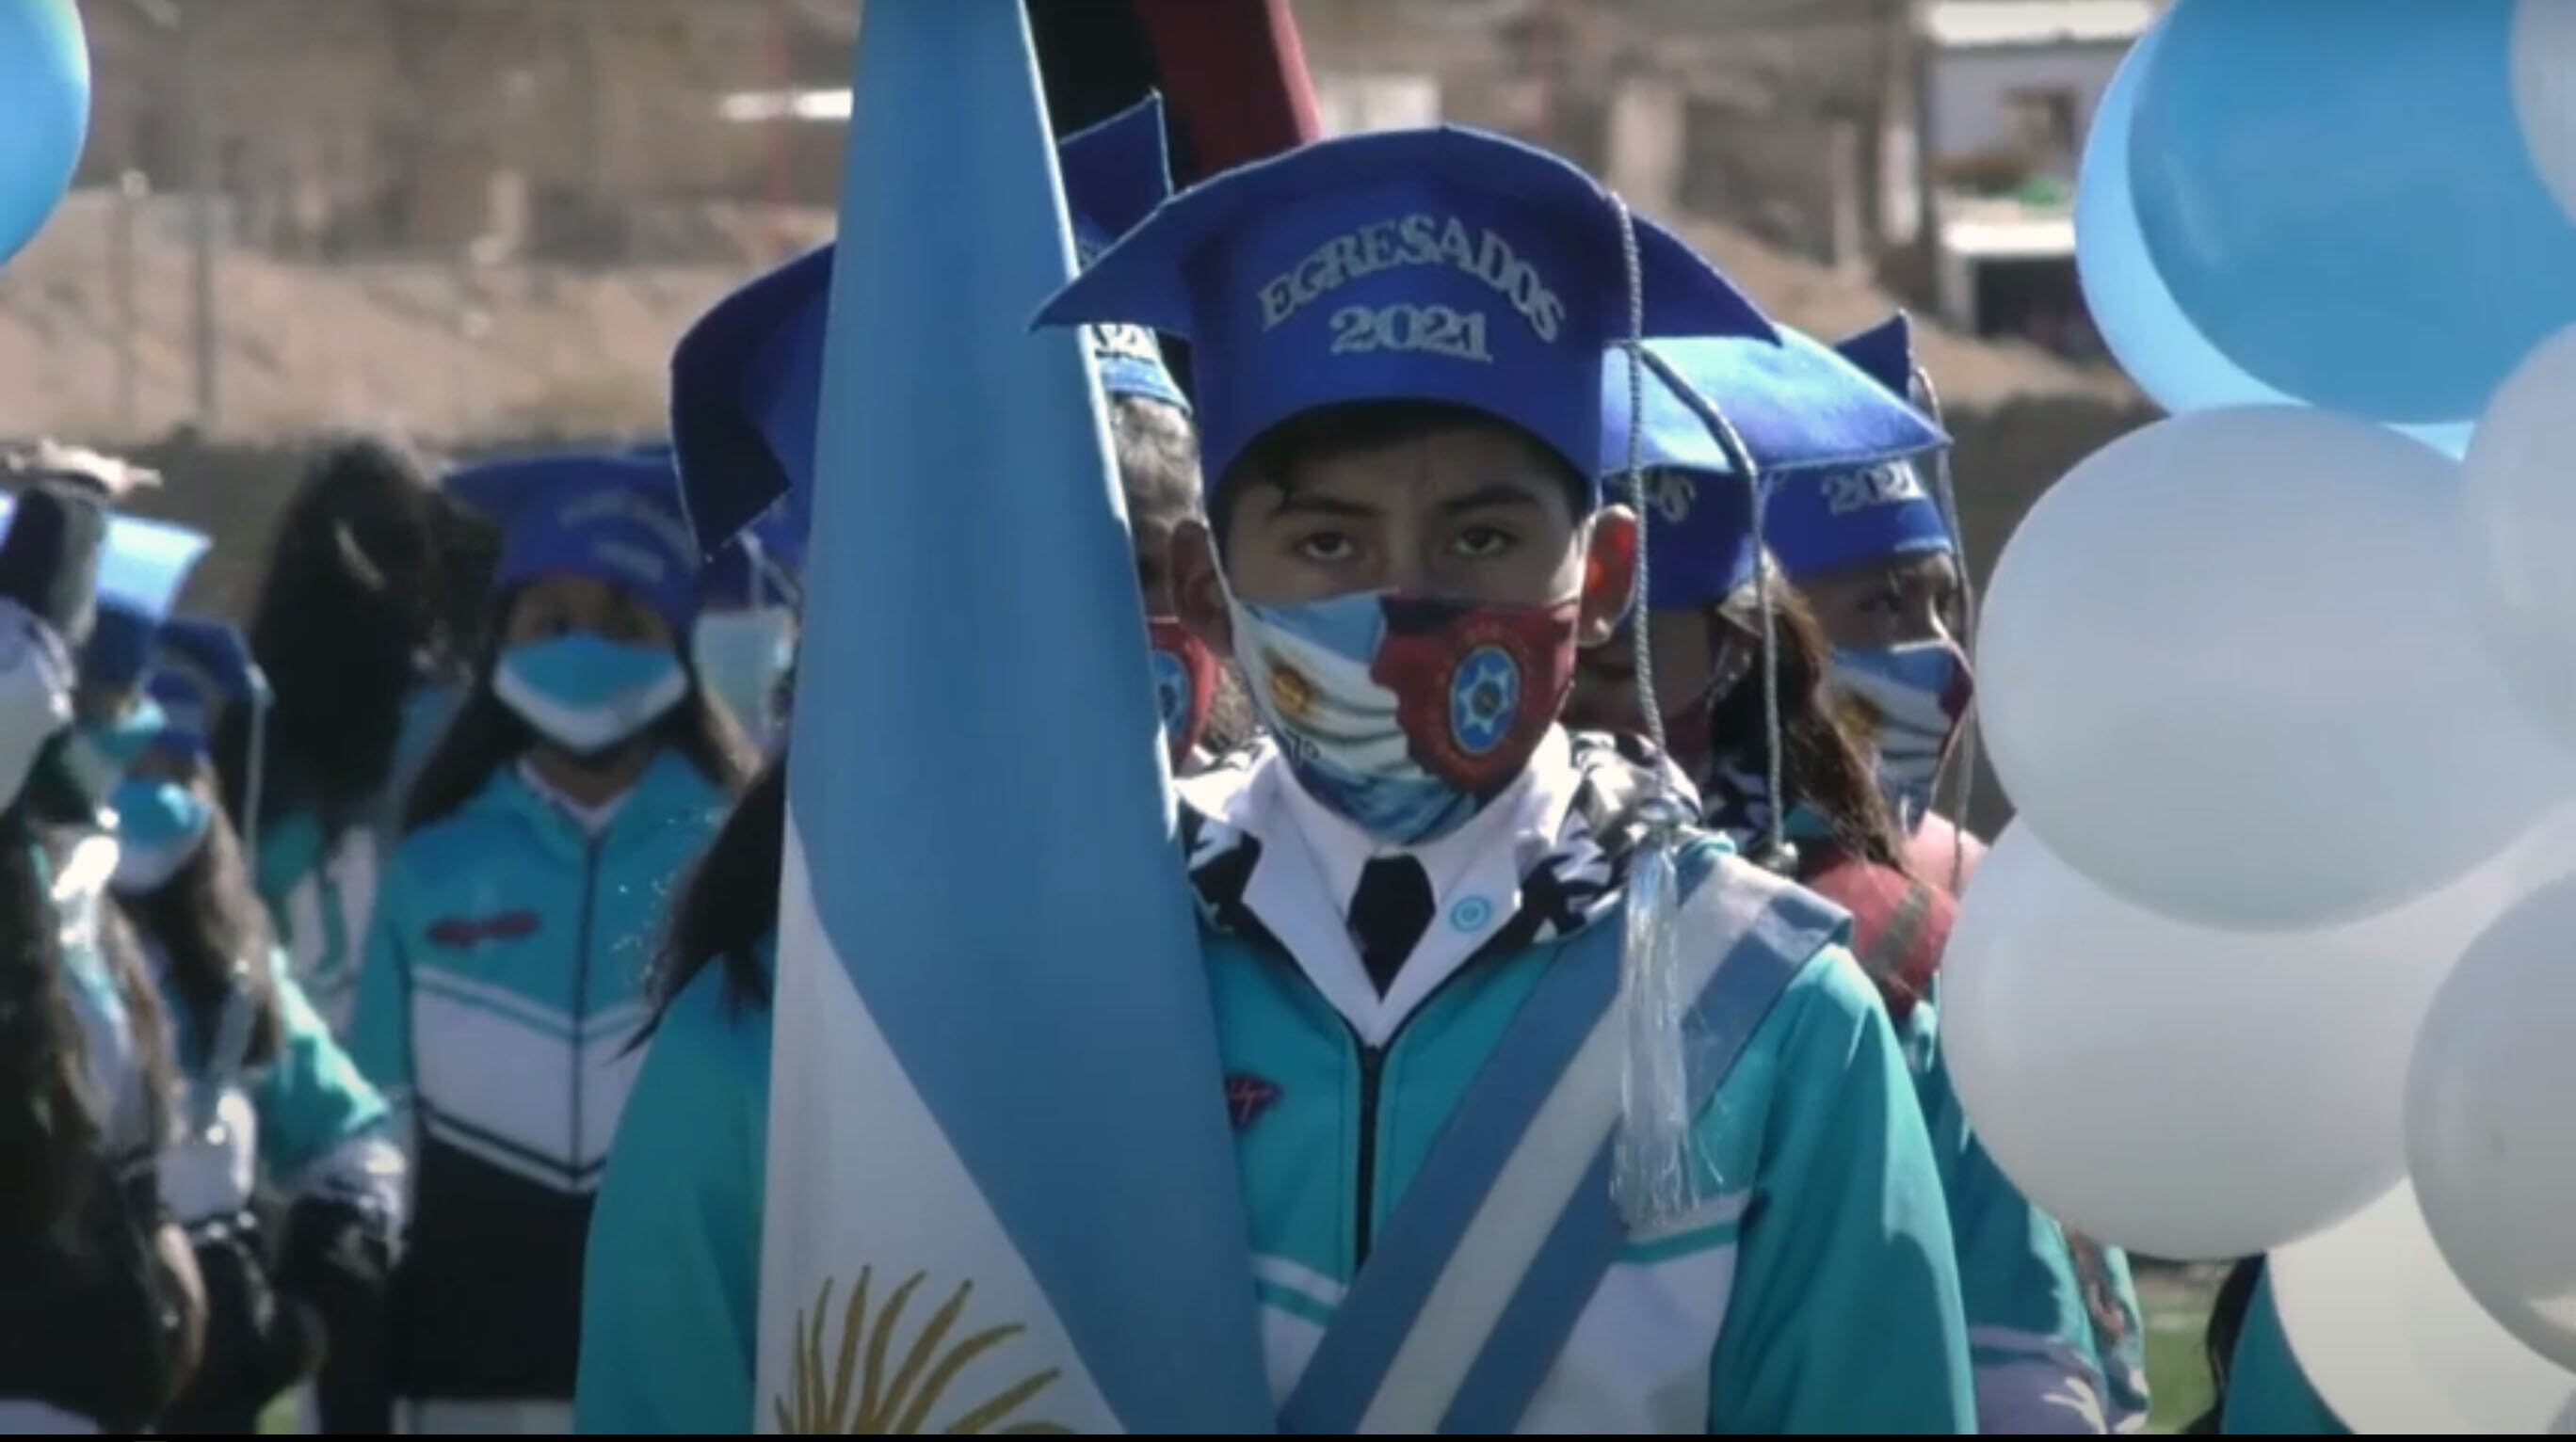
(1002, 1194)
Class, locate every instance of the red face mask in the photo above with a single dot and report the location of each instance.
(1185, 672)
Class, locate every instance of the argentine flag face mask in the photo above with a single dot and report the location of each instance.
(587, 693)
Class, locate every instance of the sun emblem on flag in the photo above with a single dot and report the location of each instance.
(910, 1397)
(1484, 697)
(1290, 691)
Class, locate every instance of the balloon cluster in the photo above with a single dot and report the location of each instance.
(44, 113)
(2280, 954)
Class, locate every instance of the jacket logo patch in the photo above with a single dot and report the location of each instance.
(461, 933)
(1247, 1097)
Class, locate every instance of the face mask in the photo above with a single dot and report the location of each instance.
(1406, 715)
(1911, 701)
(160, 825)
(1185, 672)
(77, 771)
(585, 692)
(741, 657)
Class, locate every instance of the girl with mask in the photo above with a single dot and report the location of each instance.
(1871, 551)
(107, 1308)
(1398, 343)
(669, 1348)
(269, 1098)
(505, 962)
(364, 624)
(1807, 421)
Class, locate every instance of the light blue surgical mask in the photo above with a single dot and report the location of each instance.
(160, 825)
(96, 754)
(742, 656)
(587, 693)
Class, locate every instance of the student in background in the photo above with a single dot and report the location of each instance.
(107, 1309)
(1814, 426)
(364, 624)
(505, 971)
(275, 1118)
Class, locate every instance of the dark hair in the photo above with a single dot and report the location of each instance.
(1821, 765)
(207, 920)
(2218, 1344)
(373, 576)
(486, 735)
(1330, 432)
(49, 1118)
(729, 904)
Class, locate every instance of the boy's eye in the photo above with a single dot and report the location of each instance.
(1484, 541)
(1326, 546)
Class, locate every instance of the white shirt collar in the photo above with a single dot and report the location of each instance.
(1310, 864)
(593, 820)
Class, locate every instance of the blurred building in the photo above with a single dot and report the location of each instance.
(577, 130)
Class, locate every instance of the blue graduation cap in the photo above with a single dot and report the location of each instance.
(1799, 406)
(609, 517)
(1439, 265)
(746, 380)
(199, 667)
(140, 570)
(1829, 517)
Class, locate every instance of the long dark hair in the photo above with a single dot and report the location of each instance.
(374, 582)
(729, 904)
(206, 920)
(49, 1116)
(2226, 1326)
(1821, 765)
(486, 735)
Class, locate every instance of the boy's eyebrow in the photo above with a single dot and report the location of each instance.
(1300, 501)
(1498, 493)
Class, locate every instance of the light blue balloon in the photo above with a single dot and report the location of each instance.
(2153, 340)
(2339, 195)
(44, 113)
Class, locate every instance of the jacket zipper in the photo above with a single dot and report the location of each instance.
(581, 1001)
(1372, 1068)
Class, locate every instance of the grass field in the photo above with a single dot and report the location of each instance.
(2176, 1301)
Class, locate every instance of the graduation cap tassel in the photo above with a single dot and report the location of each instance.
(1964, 766)
(1654, 1174)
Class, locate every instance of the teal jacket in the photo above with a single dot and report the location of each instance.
(668, 1348)
(319, 1128)
(2266, 1391)
(501, 993)
(319, 888)
(1814, 1292)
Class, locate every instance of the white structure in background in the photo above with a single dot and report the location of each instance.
(1349, 104)
(2009, 88)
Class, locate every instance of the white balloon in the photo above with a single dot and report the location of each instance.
(2227, 670)
(2188, 1093)
(2490, 1129)
(2521, 522)
(2544, 92)
(2393, 1343)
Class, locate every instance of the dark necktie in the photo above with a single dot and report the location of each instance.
(1390, 909)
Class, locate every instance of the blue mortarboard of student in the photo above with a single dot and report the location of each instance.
(597, 590)
(1397, 344)
(1869, 547)
(746, 381)
(1799, 408)
(141, 568)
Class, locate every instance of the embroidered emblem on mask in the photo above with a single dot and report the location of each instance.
(1484, 696)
